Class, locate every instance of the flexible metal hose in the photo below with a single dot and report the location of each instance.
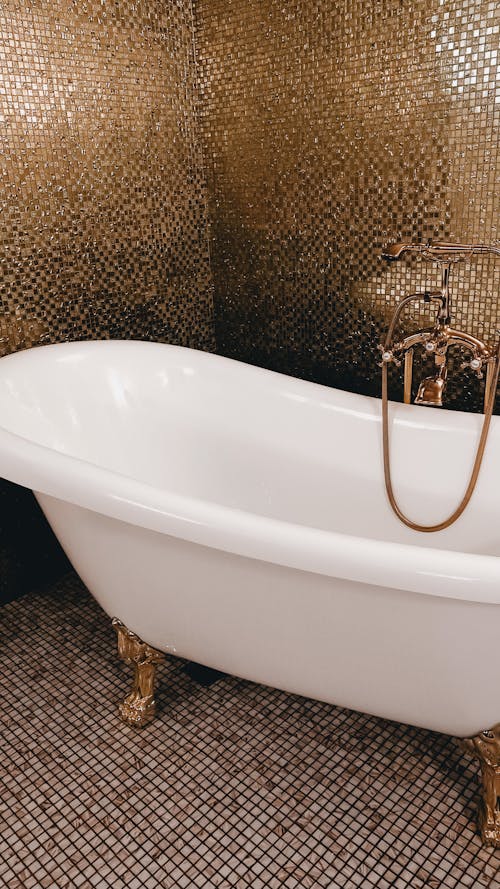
(440, 526)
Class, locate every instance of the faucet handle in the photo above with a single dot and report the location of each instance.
(475, 364)
(388, 356)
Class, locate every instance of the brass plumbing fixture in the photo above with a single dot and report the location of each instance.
(440, 252)
(435, 341)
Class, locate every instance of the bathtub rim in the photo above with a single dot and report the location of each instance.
(429, 571)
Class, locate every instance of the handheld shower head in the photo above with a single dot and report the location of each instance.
(394, 251)
(439, 251)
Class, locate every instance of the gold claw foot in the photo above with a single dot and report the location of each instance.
(486, 747)
(139, 707)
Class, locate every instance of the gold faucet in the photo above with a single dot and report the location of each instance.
(435, 341)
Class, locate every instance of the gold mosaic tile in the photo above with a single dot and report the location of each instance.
(102, 202)
(330, 130)
(102, 197)
(235, 786)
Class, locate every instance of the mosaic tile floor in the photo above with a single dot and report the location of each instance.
(234, 785)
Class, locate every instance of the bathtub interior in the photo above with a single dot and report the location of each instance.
(214, 429)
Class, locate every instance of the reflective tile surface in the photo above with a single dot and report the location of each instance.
(104, 229)
(329, 130)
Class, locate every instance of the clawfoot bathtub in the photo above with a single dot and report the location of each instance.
(237, 517)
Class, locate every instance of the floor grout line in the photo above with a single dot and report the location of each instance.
(233, 785)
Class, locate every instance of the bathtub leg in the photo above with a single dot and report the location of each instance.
(486, 747)
(139, 706)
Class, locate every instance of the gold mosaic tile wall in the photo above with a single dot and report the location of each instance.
(102, 197)
(103, 216)
(331, 129)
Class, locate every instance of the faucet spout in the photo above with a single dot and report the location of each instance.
(430, 391)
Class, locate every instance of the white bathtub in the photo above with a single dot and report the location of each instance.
(237, 517)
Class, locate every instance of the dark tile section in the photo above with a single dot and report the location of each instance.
(30, 554)
(236, 786)
(102, 197)
(204, 676)
(330, 130)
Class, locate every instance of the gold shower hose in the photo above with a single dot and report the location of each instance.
(477, 462)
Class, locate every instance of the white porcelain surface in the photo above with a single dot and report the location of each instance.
(238, 517)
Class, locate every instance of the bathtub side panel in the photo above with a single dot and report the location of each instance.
(424, 660)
